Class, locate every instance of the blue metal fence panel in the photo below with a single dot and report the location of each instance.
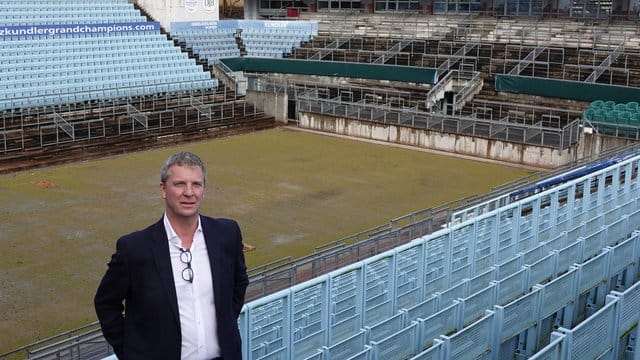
(553, 351)
(558, 293)
(347, 347)
(463, 245)
(346, 304)
(473, 341)
(400, 345)
(387, 327)
(444, 322)
(519, 315)
(408, 274)
(629, 309)
(481, 281)
(509, 267)
(379, 280)
(362, 355)
(535, 281)
(437, 264)
(593, 243)
(435, 352)
(593, 273)
(507, 221)
(624, 256)
(534, 254)
(447, 297)
(423, 309)
(557, 242)
(475, 306)
(569, 255)
(542, 270)
(485, 244)
(512, 287)
(593, 338)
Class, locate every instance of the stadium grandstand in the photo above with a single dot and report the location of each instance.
(543, 268)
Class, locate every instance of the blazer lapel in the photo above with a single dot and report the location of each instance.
(209, 232)
(160, 250)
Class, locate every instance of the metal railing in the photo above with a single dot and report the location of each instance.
(533, 134)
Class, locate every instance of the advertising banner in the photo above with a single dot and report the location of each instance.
(70, 29)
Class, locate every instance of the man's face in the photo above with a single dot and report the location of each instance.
(183, 191)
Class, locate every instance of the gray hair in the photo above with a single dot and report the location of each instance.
(182, 158)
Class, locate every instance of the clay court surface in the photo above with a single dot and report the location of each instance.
(290, 191)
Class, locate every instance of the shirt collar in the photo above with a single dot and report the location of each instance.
(171, 234)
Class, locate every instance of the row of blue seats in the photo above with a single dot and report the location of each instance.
(212, 57)
(68, 2)
(114, 53)
(277, 30)
(25, 79)
(209, 47)
(22, 6)
(88, 62)
(12, 38)
(271, 45)
(258, 41)
(73, 49)
(267, 47)
(266, 53)
(193, 36)
(195, 32)
(94, 85)
(84, 94)
(44, 57)
(195, 42)
(103, 39)
(71, 21)
(70, 44)
(78, 13)
(275, 37)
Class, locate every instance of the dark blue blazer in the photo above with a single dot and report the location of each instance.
(140, 275)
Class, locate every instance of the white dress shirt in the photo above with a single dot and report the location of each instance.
(196, 304)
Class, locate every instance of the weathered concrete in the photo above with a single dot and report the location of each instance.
(593, 144)
(589, 146)
(272, 103)
(515, 153)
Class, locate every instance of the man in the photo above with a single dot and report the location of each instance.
(182, 279)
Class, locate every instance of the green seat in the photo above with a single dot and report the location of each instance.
(599, 115)
(611, 117)
(620, 107)
(623, 117)
(609, 105)
(611, 123)
(588, 114)
(596, 104)
(632, 106)
(634, 122)
(623, 121)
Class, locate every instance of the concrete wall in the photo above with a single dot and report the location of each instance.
(272, 103)
(521, 154)
(166, 11)
(593, 144)
(275, 104)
